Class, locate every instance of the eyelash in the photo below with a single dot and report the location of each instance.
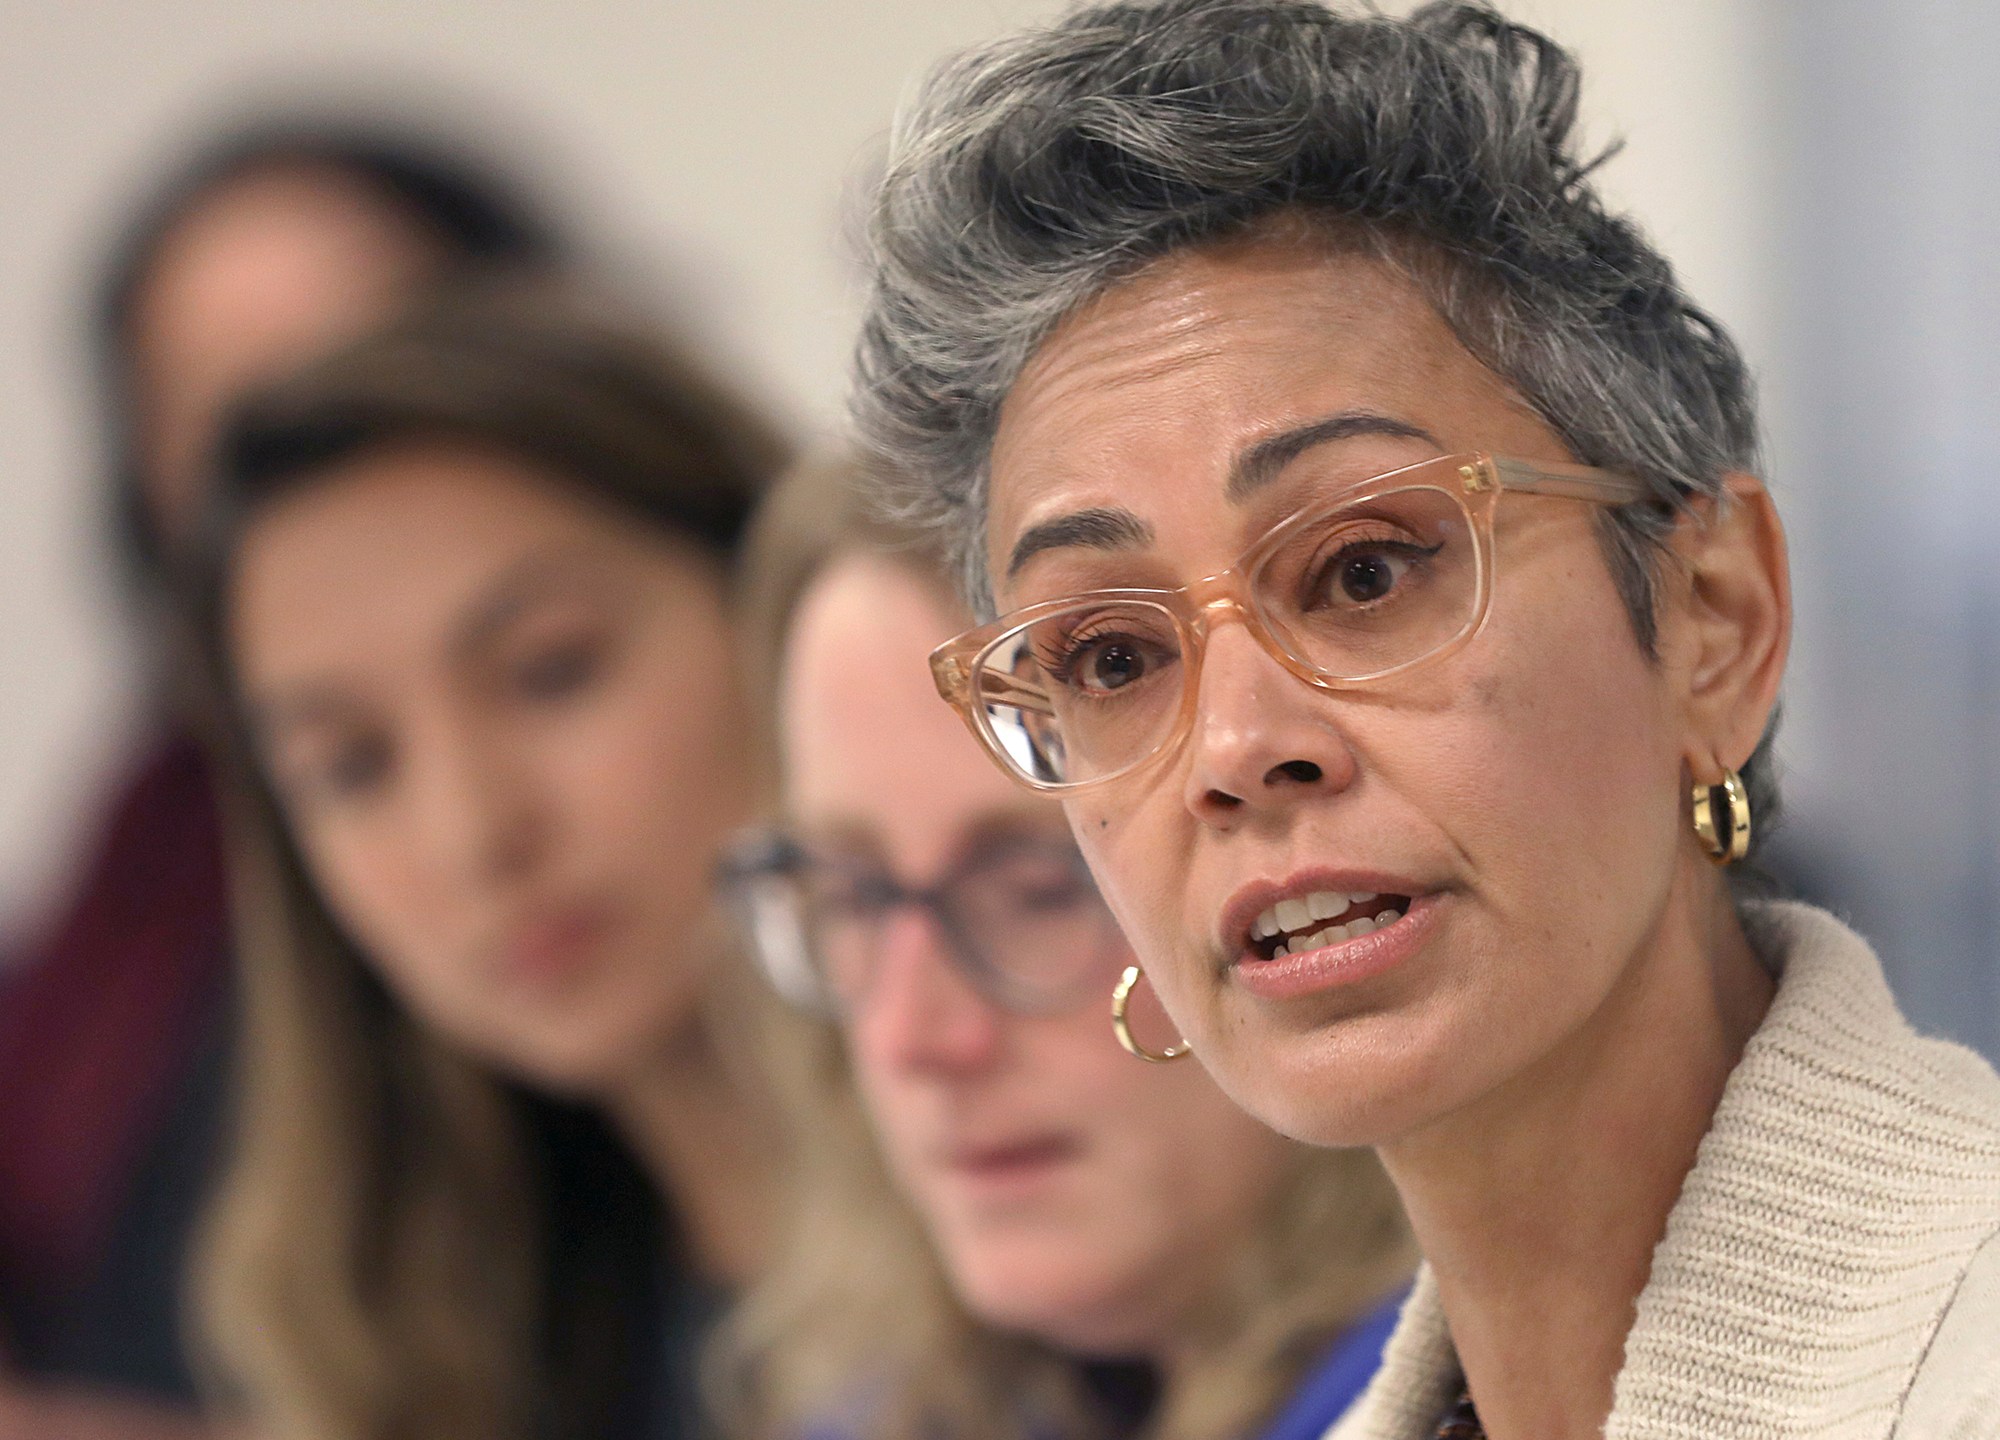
(1075, 645)
(1313, 578)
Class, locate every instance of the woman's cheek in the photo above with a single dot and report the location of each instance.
(1135, 873)
(373, 883)
(621, 741)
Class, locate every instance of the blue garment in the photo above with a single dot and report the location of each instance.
(1322, 1397)
(1337, 1381)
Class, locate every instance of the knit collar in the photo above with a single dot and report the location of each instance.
(1846, 1179)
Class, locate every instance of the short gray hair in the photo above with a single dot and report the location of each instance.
(1033, 173)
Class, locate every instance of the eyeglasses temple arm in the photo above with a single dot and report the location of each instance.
(1575, 482)
(954, 685)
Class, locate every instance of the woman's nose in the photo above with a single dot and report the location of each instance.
(921, 1013)
(479, 810)
(1261, 738)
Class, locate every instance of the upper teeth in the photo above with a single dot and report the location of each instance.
(1296, 915)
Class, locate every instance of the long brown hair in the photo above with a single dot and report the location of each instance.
(406, 1246)
(855, 1324)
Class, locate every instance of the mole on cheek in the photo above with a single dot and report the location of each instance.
(1083, 820)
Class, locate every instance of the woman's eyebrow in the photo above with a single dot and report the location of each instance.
(1105, 528)
(1262, 462)
(1031, 820)
(1112, 528)
(530, 581)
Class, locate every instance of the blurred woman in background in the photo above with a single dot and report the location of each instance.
(271, 248)
(271, 245)
(465, 589)
(1041, 1206)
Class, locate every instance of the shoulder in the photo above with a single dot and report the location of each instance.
(1836, 1053)
(1849, 1177)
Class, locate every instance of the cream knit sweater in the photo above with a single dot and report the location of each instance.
(1832, 1267)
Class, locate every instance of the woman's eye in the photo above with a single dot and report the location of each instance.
(1367, 574)
(558, 671)
(353, 769)
(1105, 664)
(1031, 878)
(1111, 665)
(849, 897)
(1366, 578)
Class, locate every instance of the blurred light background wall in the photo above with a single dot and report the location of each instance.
(1819, 169)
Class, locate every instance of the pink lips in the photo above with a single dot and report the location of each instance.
(549, 949)
(1345, 962)
(1012, 1165)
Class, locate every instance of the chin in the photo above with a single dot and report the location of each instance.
(1356, 1083)
(574, 1063)
(560, 1076)
(1083, 1313)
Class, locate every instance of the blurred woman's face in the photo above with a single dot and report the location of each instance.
(500, 721)
(1072, 1192)
(1517, 805)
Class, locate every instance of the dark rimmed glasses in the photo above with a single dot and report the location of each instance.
(1020, 918)
(1352, 589)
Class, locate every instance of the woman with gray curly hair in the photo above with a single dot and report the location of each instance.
(1384, 587)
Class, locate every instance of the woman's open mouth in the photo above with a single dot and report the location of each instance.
(1322, 918)
(1321, 939)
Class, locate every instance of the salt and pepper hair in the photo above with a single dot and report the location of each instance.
(1033, 173)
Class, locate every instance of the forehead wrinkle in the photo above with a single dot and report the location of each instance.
(1264, 461)
(1130, 335)
(1108, 346)
(1214, 306)
(1078, 379)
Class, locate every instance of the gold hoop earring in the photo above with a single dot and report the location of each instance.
(1121, 996)
(1723, 840)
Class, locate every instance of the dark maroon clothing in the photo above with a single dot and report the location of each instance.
(110, 1090)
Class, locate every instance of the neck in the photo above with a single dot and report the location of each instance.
(1540, 1204)
(695, 1134)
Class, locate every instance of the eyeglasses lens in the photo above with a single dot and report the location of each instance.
(1350, 592)
(844, 909)
(1024, 923)
(1040, 927)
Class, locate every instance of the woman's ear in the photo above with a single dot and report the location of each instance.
(1736, 623)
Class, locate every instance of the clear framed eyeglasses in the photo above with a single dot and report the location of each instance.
(1020, 918)
(1363, 585)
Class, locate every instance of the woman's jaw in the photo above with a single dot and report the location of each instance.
(1477, 994)
(1330, 1038)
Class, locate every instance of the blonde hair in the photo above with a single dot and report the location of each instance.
(856, 1320)
(325, 1286)
(405, 1245)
